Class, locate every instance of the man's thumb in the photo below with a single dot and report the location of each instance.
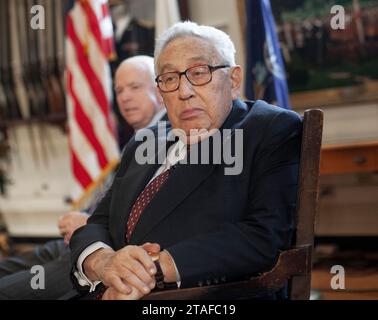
(151, 247)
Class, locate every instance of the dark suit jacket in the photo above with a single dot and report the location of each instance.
(216, 227)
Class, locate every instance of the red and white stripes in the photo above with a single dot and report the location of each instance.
(92, 141)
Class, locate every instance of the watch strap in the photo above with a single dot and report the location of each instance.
(159, 276)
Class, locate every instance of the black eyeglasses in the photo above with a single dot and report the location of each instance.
(197, 76)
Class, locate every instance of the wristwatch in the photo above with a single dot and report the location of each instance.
(159, 276)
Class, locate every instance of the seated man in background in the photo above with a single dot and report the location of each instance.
(141, 105)
(180, 222)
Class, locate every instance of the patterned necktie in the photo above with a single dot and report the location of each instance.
(144, 199)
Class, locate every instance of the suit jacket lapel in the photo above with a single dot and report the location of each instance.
(182, 181)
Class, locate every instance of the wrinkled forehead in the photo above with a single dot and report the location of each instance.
(194, 49)
(133, 72)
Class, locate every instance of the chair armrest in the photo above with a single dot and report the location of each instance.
(292, 262)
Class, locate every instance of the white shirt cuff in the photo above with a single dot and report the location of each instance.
(177, 272)
(79, 274)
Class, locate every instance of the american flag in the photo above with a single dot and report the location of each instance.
(92, 140)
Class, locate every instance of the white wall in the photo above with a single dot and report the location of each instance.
(35, 197)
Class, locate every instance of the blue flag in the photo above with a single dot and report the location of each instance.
(265, 76)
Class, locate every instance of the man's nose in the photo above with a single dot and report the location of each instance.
(125, 96)
(185, 89)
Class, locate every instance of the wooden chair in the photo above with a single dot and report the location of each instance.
(294, 265)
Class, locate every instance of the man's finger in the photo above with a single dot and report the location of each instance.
(61, 223)
(112, 294)
(120, 286)
(62, 231)
(143, 257)
(67, 240)
(137, 268)
(133, 281)
(151, 247)
(67, 237)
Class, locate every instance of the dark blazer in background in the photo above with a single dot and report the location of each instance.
(216, 227)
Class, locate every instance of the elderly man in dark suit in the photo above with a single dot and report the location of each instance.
(183, 223)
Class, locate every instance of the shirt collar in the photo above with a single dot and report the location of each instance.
(158, 116)
(176, 153)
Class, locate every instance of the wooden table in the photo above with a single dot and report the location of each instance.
(348, 199)
(349, 158)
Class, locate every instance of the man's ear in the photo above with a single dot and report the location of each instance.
(236, 80)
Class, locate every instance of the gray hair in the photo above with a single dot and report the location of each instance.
(146, 61)
(219, 39)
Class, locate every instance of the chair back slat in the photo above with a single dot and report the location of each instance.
(308, 188)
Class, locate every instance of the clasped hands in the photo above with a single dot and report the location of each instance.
(129, 273)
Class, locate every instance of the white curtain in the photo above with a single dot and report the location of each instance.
(166, 14)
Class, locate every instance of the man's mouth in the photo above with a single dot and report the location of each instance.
(190, 113)
(130, 110)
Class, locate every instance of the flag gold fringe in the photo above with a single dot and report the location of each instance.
(89, 190)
